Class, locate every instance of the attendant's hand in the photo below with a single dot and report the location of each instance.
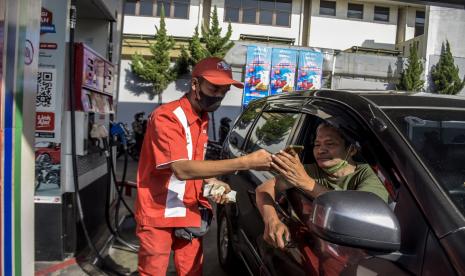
(276, 233)
(290, 167)
(219, 199)
(258, 160)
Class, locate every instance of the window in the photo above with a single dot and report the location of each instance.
(172, 8)
(328, 8)
(130, 8)
(438, 136)
(146, 8)
(264, 12)
(271, 132)
(355, 11)
(381, 14)
(419, 23)
(237, 137)
(164, 5)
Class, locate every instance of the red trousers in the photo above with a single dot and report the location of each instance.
(155, 248)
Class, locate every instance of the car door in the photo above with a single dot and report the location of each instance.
(317, 256)
(233, 148)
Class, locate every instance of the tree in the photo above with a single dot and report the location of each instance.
(215, 44)
(411, 77)
(445, 74)
(182, 63)
(156, 68)
(196, 49)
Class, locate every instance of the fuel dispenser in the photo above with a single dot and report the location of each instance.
(93, 86)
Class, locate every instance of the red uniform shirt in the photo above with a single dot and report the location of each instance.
(174, 132)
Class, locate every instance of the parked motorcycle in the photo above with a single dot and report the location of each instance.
(131, 145)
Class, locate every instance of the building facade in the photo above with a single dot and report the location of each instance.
(367, 28)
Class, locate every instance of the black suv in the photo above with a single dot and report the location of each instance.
(416, 146)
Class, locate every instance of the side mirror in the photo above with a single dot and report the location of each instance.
(356, 219)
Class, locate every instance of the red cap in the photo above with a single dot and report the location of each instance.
(216, 71)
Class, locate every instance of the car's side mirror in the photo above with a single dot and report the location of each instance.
(356, 219)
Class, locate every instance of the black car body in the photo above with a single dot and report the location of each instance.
(415, 144)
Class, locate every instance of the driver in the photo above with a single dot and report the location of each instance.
(334, 169)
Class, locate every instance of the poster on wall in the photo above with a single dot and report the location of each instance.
(46, 103)
(310, 70)
(283, 67)
(257, 74)
(47, 169)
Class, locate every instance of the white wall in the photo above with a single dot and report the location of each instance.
(445, 24)
(339, 32)
(264, 30)
(145, 25)
(410, 26)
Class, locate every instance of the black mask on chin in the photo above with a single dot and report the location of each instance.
(209, 103)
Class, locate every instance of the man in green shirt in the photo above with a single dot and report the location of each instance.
(334, 170)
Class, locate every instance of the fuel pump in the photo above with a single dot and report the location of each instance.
(97, 108)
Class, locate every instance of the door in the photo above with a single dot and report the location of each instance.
(308, 254)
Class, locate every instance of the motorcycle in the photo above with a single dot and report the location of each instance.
(131, 147)
(47, 173)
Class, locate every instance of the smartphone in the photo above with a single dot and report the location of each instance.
(294, 148)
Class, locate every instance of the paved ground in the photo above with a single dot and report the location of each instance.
(126, 260)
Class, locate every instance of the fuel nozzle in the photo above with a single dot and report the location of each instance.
(117, 130)
(100, 133)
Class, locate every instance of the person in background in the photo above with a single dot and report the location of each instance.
(334, 169)
(138, 129)
(224, 129)
(172, 171)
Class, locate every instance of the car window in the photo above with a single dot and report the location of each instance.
(438, 136)
(271, 131)
(243, 125)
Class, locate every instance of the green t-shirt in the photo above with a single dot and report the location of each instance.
(362, 179)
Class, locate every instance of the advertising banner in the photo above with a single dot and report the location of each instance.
(283, 67)
(310, 70)
(49, 100)
(257, 76)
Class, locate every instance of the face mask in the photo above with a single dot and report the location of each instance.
(336, 167)
(342, 164)
(209, 103)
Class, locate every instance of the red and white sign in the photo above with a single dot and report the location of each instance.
(45, 121)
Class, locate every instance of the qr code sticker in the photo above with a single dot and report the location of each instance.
(46, 87)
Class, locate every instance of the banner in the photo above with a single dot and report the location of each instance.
(283, 66)
(257, 76)
(310, 70)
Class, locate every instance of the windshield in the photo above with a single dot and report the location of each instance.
(438, 136)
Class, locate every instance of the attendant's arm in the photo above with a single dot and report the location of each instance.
(200, 169)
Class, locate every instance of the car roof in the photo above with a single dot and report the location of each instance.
(382, 99)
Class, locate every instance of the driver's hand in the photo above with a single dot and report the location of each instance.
(276, 233)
